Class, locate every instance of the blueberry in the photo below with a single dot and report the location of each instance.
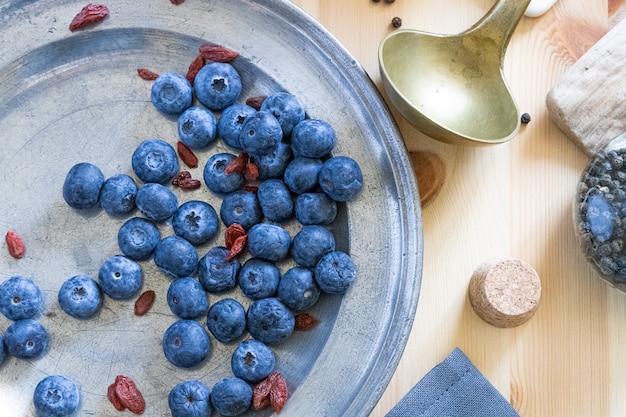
(20, 298)
(176, 257)
(286, 108)
(117, 195)
(197, 127)
(275, 200)
(298, 289)
(599, 215)
(138, 238)
(157, 202)
(313, 138)
(80, 297)
(56, 396)
(82, 185)
(268, 241)
(120, 278)
(259, 278)
(270, 321)
(274, 164)
(2, 349)
(214, 176)
(186, 343)
(231, 396)
(310, 244)
(195, 221)
(302, 174)
(217, 85)
(226, 320)
(231, 122)
(341, 178)
(26, 339)
(186, 298)
(315, 208)
(154, 161)
(241, 207)
(215, 273)
(261, 133)
(171, 93)
(252, 361)
(190, 399)
(335, 272)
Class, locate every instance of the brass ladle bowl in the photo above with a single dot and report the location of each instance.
(452, 87)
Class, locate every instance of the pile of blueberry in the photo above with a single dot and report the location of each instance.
(297, 178)
(600, 213)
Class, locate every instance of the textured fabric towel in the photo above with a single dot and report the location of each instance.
(453, 388)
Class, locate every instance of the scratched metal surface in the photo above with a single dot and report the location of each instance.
(71, 97)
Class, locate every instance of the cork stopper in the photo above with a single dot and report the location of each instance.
(505, 292)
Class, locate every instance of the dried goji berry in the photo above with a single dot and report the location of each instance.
(144, 302)
(251, 172)
(238, 164)
(278, 392)
(261, 395)
(89, 15)
(233, 232)
(217, 53)
(177, 2)
(129, 395)
(256, 102)
(305, 321)
(237, 247)
(271, 391)
(113, 398)
(185, 182)
(195, 66)
(189, 158)
(146, 74)
(15, 244)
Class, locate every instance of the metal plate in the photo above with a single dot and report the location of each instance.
(71, 97)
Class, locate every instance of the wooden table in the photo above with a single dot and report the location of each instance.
(512, 199)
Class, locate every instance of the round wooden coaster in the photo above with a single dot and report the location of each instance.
(505, 292)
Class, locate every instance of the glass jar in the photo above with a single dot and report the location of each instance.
(600, 212)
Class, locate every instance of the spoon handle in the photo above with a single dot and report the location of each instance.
(500, 22)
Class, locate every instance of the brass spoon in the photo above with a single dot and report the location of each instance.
(452, 87)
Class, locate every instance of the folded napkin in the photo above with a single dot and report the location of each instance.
(453, 388)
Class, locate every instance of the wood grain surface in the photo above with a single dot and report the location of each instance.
(513, 199)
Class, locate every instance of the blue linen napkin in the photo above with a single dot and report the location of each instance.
(453, 388)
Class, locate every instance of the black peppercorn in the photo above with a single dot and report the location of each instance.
(389, 1)
(525, 118)
(396, 22)
(376, 1)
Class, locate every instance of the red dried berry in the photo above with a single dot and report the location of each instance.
(89, 15)
(233, 232)
(251, 188)
(237, 247)
(189, 158)
(146, 74)
(114, 399)
(305, 321)
(15, 244)
(272, 391)
(181, 176)
(279, 392)
(177, 2)
(144, 302)
(256, 102)
(129, 395)
(217, 53)
(189, 184)
(195, 67)
(238, 164)
(251, 172)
